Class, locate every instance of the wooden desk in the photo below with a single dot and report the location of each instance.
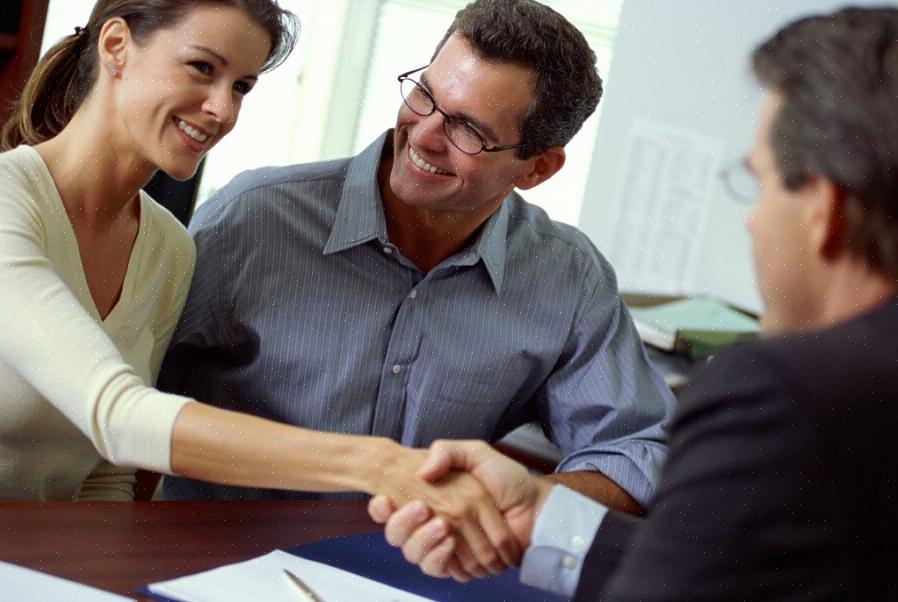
(119, 546)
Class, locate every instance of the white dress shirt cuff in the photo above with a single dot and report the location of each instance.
(562, 535)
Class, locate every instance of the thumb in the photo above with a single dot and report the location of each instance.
(380, 508)
(437, 464)
(444, 456)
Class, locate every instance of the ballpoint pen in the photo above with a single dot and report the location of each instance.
(305, 589)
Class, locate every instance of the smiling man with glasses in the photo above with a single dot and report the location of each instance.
(410, 292)
(781, 480)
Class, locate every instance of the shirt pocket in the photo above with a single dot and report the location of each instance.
(460, 408)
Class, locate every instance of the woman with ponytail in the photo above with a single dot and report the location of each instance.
(94, 274)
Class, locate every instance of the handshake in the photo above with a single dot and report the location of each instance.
(475, 517)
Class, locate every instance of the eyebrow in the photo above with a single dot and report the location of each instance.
(221, 60)
(465, 117)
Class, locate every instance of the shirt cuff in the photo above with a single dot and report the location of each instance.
(562, 535)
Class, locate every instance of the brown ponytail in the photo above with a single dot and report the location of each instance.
(53, 93)
(66, 73)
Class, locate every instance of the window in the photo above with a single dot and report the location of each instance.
(338, 90)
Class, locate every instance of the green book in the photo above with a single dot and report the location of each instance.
(697, 327)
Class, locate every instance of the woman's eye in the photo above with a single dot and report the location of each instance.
(242, 88)
(202, 66)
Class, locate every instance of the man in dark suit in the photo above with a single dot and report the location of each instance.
(782, 479)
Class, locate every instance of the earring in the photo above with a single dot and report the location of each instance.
(112, 70)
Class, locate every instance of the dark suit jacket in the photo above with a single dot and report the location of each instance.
(782, 479)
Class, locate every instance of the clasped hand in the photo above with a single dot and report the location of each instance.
(478, 523)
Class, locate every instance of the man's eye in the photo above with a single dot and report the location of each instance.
(202, 66)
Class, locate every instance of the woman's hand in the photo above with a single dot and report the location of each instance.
(470, 518)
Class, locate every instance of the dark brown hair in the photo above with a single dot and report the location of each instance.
(838, 78)
(527, 33)
(66, 73)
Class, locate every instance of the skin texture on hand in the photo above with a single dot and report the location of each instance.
(237, 449)
(424, 541)
(467, 511)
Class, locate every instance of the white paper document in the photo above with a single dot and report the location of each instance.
(25, 585)
(263, 578)
(661, 207)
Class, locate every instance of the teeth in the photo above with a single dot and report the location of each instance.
(192, 132)
(422, 164)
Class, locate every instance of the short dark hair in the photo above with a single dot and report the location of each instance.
(838, 78)
(527, 33)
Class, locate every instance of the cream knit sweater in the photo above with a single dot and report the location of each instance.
(74, 400)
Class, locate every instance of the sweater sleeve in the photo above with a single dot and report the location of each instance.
(54, 344)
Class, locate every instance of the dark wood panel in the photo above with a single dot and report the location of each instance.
(16, 64)
(119, 546)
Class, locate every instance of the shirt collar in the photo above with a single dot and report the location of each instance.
(360, 215)
(491, 244)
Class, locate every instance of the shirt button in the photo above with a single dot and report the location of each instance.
(396, 368)
(388, 250)
(569, 562)
(577, 542)
(413, 294)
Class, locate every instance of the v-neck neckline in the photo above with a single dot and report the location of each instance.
(58, 207)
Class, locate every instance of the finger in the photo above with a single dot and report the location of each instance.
(380, 508)
(476, 555)
(500, 535)
(424, 539)
(404, 521)
(466, 564)
(440, 561)
(470, 524)
(458, 574)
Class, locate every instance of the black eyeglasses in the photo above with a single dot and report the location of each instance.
(461, 134)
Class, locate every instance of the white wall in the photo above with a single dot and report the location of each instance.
(681, 105)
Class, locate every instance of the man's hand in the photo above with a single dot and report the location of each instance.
(482, 541)
(424, 538)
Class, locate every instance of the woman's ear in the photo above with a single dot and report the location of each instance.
(112, 45)
(540, 168)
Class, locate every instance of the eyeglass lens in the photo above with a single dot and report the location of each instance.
(462, 135)
(740, 183)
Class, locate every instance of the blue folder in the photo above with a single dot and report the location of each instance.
(369, 555)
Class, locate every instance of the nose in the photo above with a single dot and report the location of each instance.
(221, 104)
(427, 132)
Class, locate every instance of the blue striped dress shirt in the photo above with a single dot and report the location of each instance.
(301, 310)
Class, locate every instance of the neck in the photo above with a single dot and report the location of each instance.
(427, 236)
(97, 178)
(854, 289)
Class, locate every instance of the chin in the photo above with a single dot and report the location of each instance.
(180, 172)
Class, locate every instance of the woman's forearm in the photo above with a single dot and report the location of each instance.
(232, 448)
